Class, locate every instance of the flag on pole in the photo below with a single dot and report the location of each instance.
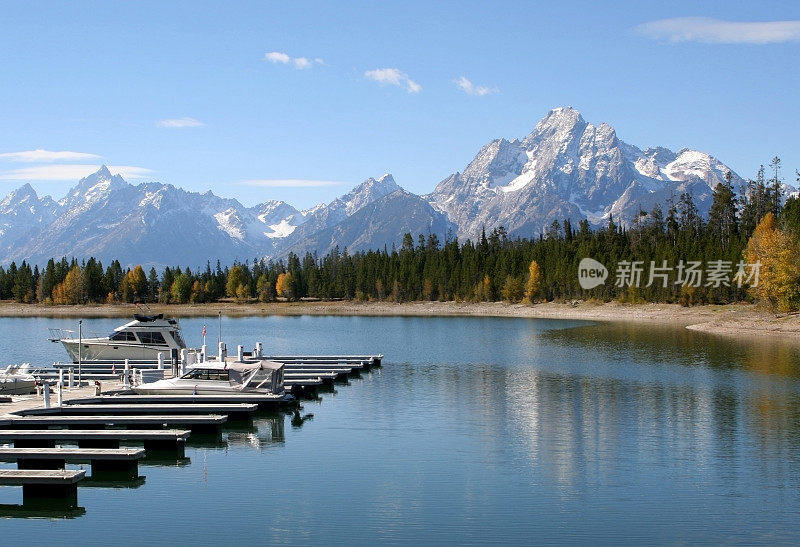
(204, 331)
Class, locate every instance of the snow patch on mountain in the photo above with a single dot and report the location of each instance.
(282, 229)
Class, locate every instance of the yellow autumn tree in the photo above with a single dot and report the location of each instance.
(134, 285)
(284, 285)
(778, 254)
(236, 279)
(533, 282)
(513, 289)
(69, 291)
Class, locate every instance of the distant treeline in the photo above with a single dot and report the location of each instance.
(745, 227)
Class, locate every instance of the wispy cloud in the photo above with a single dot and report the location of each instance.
(290, 183)
(471, 89)
(393, 76)
(179, 123)
(300, 63)
(716, 31)
(39, 155)
(71, 172)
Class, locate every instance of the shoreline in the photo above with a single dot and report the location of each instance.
(729, 319)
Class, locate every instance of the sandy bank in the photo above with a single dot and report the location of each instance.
(732, 319)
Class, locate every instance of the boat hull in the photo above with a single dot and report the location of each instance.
(16, 386)
(145, 390)
(96, 352)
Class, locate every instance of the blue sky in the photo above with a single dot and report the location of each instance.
(300, 101)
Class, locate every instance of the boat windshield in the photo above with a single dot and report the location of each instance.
(206, 374)
(155, 338)
(122, 336)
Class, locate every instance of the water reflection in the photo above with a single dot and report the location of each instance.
(603, 400)
(40, 510)
(268, 429)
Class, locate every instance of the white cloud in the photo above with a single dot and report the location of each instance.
(71, 172)
(393, 76)
(299, 63)
(471, 89)
(290, 183)
(39, 155)
(716, 31)
(179, 123)
(277, 57)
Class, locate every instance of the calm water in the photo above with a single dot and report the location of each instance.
(475, 431)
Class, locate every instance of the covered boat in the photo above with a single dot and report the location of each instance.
(16, 380)
(216, 378)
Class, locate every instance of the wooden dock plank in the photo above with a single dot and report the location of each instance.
(72, 454)
(19, 477)
(66, 420)
(44, 483)
(114, 460)
(94, 434)
(140, 408)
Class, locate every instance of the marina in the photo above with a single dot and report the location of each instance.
(148, 397)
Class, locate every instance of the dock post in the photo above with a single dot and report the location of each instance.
(221, 352)
(184, 359)
(71, 383)
(160, 360)
(46, 394)
(259, 349)
(239, 353)
(126, 376)
(60, 386)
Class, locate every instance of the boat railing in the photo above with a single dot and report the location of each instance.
(57, 334)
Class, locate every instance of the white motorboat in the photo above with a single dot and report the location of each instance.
(16, 380)
(143, 338)
(218, 378)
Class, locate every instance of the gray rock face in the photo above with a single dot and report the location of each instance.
(379, 224)
(568, 168)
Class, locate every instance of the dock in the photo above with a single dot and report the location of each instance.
(172, 440)
(44, 483)
(104, 426)
(302, 373)
(124, 460)
(199, 423)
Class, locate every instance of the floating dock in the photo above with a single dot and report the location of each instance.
(44, 437)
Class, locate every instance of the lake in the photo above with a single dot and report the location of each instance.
(475, 431)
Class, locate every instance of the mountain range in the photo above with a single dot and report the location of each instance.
(565, 168)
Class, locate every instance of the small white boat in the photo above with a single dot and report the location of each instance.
(16, 380)
(218, 378)
(143, 338)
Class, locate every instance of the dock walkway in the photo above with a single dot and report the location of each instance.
(101, 459)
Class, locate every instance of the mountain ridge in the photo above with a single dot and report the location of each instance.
(564, 168)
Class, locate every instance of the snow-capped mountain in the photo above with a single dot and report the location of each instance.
(568, 168)
(22, 211)
(565, 168)
(158, 224)
(326, 216)
(151, 223)
(378, 224)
